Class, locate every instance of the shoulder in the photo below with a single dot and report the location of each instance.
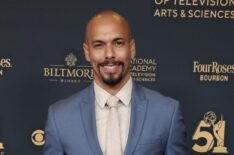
(155, 98)
(153, 95)
(72, 101)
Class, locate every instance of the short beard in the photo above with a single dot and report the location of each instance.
(112, 81)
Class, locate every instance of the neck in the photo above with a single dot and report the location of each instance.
(113, 90)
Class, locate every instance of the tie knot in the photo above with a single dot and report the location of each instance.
(112, 101)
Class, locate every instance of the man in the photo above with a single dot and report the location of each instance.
(114, 115)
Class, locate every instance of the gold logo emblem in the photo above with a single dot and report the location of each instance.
(71, 60)
(38, 137)
(1, 146)
(216, 134)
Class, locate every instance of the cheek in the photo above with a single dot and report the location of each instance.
(126, 57)
(96, 57)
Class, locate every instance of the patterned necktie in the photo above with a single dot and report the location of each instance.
(113, 141)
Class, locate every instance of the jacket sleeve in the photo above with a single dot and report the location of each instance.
(53, 144)
(177, 139)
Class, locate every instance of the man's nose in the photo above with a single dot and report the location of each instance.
(109, 53)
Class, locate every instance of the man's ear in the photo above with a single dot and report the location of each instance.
(132, 48)
(86, 51)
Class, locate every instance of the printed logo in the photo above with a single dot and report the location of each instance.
(194, 9)
(144, 69)
(4, 64)
(212, 132)
(38, 137)
(71, 60)
(69, 72)
(213, 71)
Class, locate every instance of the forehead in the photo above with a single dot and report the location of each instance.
(107, 28)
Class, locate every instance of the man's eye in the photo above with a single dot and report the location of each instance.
(119, 43)
(97, 45)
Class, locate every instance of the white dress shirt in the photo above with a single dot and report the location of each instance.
(102, 112)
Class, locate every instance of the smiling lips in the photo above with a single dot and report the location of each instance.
(110, 67)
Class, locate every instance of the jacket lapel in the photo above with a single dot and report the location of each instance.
(87, 110)
(138, 110)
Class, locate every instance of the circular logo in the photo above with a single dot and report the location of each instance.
(38, 137)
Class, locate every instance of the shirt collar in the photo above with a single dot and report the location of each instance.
(124, 94)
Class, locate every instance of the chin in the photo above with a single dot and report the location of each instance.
(112, 81)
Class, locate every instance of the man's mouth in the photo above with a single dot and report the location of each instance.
(110, 66)
(110, 63)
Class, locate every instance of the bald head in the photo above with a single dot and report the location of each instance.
(107, 17)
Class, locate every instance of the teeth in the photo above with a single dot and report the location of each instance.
(110, 65)
(110, 68)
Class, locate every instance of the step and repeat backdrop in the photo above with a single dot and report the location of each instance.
(185, 50)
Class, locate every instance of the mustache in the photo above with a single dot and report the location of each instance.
(110, 62)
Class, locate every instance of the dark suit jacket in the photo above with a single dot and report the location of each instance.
(156, 125)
